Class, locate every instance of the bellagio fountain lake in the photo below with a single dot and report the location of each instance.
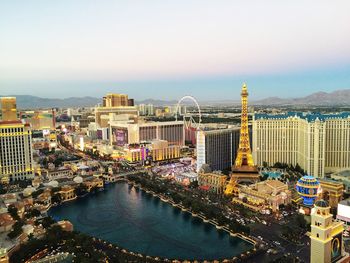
(141, 223)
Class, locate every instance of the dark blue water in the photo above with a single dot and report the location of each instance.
(141, 223)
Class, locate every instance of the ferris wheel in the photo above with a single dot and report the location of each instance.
(189, 121)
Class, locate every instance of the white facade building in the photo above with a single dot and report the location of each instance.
(318, 143)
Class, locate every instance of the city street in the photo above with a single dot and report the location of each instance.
(271, 234)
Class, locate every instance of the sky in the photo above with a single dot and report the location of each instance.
(165, 49)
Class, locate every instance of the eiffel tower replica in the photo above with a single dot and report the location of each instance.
(243, 169)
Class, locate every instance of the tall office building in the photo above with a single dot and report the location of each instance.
(16, 156)
(8, 108)
(318, 143)
(217, 148)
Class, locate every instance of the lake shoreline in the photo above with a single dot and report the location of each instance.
(178, 206)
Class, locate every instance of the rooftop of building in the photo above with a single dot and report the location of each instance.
(310, 117)
(274, 183)
(66, 188)
(6, 219)
(209, 130)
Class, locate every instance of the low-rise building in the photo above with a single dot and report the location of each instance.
(268, 194)
(9, 199)
(93, 182)
(4, 258)
(157, 150)
(6, 222)
(67, 193)
(215, 182)
(44, 199)
(58, 173)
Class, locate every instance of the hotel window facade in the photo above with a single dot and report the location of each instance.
(318, 143)
(217, 148)
(16, 156)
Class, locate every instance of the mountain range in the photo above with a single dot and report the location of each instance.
(339, 97)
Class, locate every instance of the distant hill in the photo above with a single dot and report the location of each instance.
(339, 97)
(33, 102)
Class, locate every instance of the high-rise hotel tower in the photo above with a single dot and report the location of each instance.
(16, 156)
(319, 143)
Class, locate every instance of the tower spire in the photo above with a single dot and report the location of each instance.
(244, 153)
(243, 169)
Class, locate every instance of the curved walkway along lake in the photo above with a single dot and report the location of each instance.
(139, 222)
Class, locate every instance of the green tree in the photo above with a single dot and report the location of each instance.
(194, 184)
(13, 211)
(37, 193)
(16, 229)
(56, 198)
(47, 222)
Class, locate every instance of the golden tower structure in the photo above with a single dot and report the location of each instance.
(244, 154)
(243, 169)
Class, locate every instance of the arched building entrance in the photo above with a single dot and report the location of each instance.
(332, 191)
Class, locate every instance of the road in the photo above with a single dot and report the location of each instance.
(272, 232)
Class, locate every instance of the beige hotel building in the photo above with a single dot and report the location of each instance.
(16, 156)
(319, 143)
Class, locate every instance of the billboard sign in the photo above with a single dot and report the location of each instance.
(337, 243)
(120, 136)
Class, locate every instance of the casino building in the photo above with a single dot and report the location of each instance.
(134, 133)
(319, 143)
(217, 148)
(156, 150)
(112, 105)
(16, 156)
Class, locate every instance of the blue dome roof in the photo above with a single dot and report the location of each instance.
(308, 180)
(321, 203)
